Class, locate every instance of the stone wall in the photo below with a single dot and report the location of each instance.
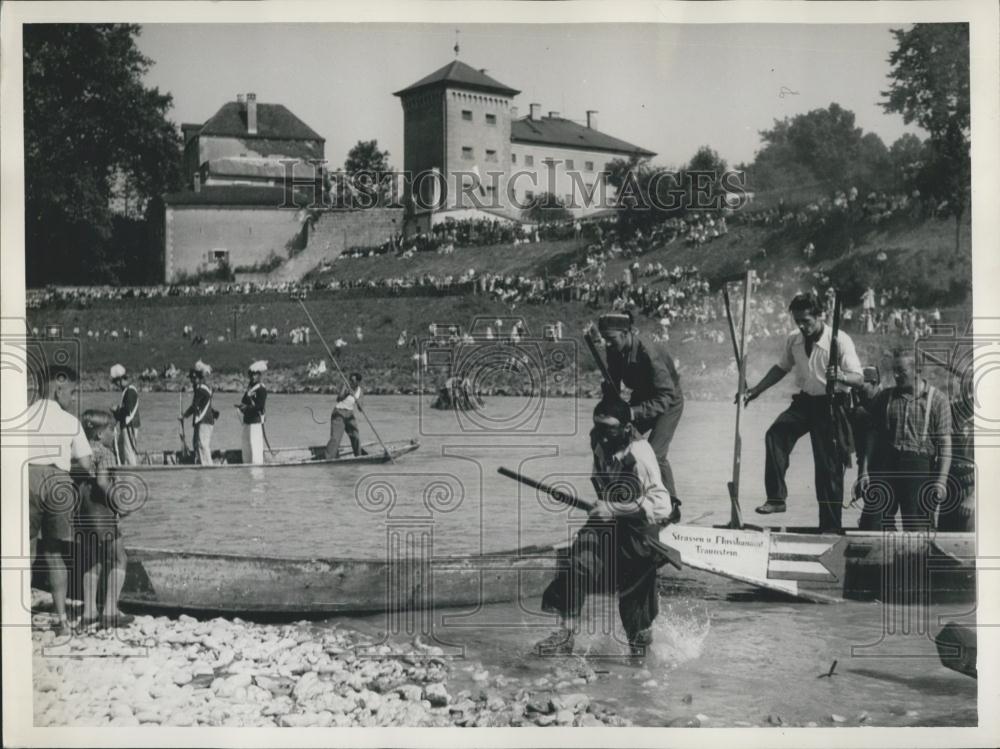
(197, 236)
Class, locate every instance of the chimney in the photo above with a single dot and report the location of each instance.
(536, 111)
(592, 119)
(197, 182)
(239, 98)
(513, 113)
(553, 115)
(252, 114)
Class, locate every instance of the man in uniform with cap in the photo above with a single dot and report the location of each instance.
(618, 549)
(252, 410)
(650, 373)
(202, 414)
(126, 417)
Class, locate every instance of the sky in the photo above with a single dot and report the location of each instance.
(670, 88)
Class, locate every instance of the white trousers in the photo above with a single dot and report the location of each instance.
(253, 443)
(126, 446)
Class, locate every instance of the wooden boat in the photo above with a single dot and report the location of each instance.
(230, 584)
(902, 567)
(177, 460)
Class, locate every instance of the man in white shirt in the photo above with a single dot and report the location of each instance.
(807, 353)
(59, 447)
(343, 420)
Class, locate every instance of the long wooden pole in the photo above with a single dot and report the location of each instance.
(344, 378)
(739, 350)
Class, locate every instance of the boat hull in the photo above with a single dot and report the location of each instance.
(282, 457)
(226, 584)
(904, 567)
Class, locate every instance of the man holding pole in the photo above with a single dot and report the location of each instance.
(342, 419)
(807, 352)
(126, 417)
(618, 549)
(656, 403)
(251, 408)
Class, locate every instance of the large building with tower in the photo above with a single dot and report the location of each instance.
(461, 124)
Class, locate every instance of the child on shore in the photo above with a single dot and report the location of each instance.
(99, 537)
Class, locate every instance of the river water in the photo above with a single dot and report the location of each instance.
(723, 651)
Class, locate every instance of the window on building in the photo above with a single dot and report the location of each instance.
(467, 115)
(220, 256)
(491, 119)
(569, 163)
(529, 160)
(588, 165)
(467, 153)
(491, 155)
(513, 158)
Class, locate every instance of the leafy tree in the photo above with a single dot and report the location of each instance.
(906, 159)
(92, 132)
(823, 142)
(368, 170)
(930, 86)
(545, 209)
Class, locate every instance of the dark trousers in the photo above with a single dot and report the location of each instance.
(340, 422)
(610, 557)
(900, 482)
(661, 433)
(807, 414)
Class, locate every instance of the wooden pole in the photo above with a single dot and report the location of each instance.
(739, 349)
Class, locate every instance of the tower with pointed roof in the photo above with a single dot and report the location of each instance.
(457, 119)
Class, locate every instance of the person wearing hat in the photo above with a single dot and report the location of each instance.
(126, 417)
(202, 414)
(657, 401)
(618, 549)
(252, 410)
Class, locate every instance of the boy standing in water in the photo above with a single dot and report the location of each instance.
(99, 537)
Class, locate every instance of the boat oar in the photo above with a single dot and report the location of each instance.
(569, 498)
(344, 377)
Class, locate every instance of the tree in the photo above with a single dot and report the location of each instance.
(545, 209)
(930, 86)
(368, 169)
(906, 159)
(824, 141)
(91, 128)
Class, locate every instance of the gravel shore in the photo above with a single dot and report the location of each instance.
(220, 672)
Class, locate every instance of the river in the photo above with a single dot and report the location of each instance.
(723, 651)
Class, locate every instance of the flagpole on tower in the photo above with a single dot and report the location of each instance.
(457, 32)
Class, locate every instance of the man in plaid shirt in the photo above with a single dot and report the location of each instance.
(911, 454)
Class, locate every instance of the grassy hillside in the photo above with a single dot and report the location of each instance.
(918, 256)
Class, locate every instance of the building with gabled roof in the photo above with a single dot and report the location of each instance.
(461, 123)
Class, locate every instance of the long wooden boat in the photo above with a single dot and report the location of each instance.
(903, 567)
(230, 584)
(178, 460)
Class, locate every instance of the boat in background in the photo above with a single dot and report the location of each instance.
(179, 460)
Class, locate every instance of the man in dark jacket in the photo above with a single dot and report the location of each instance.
(650, 373)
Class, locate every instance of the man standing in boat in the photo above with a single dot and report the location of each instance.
(127, 417)
(252, 410)
(656, 402)
(618, 549)
(912, 454)
(343, 420)
(201, 412)
(807, 353)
